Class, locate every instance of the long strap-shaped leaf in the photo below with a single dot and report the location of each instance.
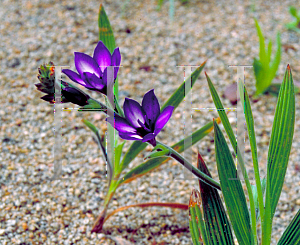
(232, 190)
(222, 113)
(258, 199)
(229, 131)
(106, 34)
(279, 149)
(217, 223)
(291, 235)
(175, 99)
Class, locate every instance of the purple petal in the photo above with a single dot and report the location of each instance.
(129, 136)
(163, 118)
(133, 112)
(102, 56)
(116, 61)
(93, 82)
(85, 63)
(151, 106)
(74, 76)
(121, 125)
(148, 137)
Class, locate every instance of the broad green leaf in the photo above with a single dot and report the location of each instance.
(154, 163)
(216, 221)
(291, 235)
(175, 99)
(280, 142)
(279, 150)
(232, 190)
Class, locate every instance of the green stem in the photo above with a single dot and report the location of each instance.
(175, 155)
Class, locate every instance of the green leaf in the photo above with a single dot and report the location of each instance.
(291, 235)
(280, 147)
(262, 51)
(118, 153)
(258, 194)
(106, 34)
(259, 73)
(154, 163)
(159, 4)
(175, 99)
(101, 144)
(293, 11)
(269, 52)
(222, 114)
(90, 126)
(275, 63)
(216, 221)
(232, 190)
(157, 154)
(281, 139)
(255, 196)
(260, 76)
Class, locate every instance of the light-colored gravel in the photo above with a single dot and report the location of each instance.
(36, 211)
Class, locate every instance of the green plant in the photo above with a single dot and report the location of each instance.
(265, 69)
(294, 25)
(209, 223)
(140, 123)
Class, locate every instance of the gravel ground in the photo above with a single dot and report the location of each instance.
(36, 211)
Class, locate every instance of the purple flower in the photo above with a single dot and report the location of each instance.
(93, 71)
(141, 122)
